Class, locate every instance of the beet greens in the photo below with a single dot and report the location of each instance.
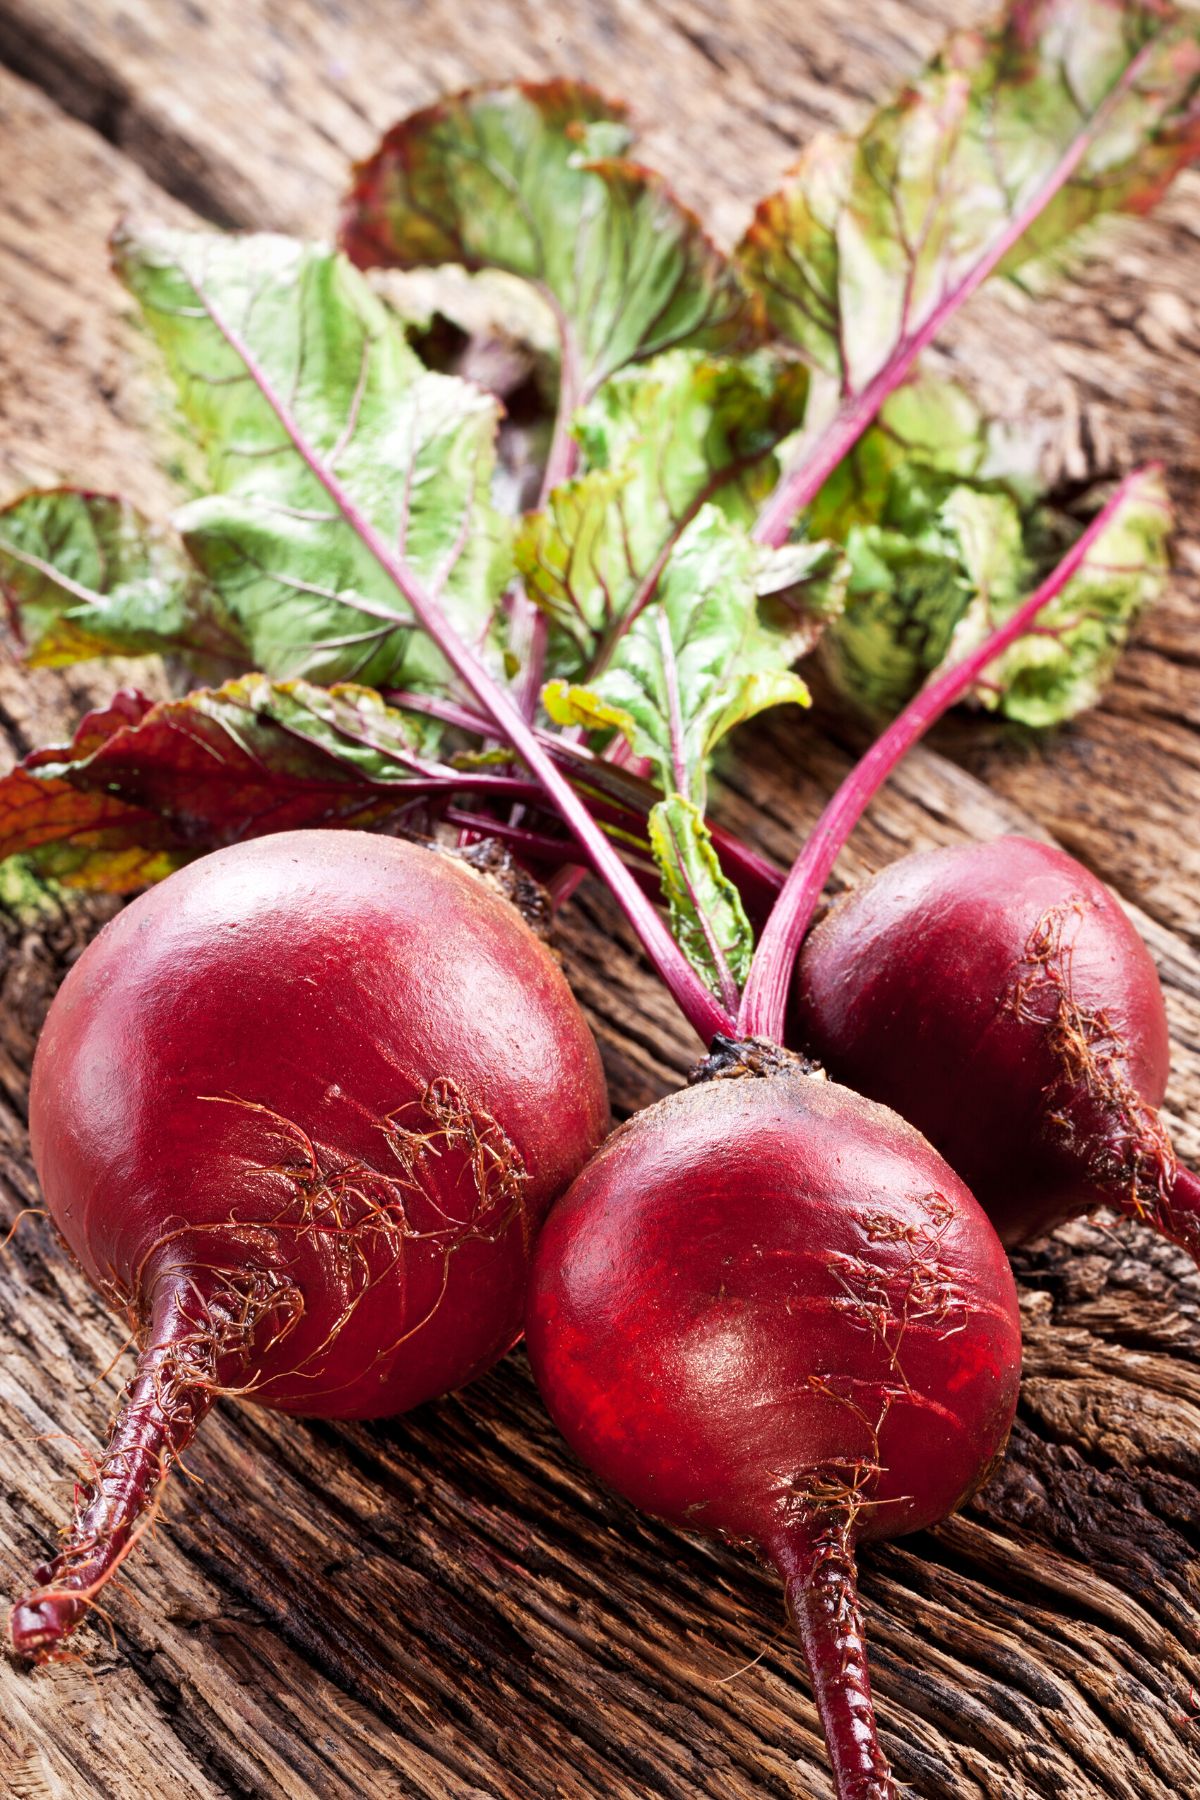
(668, 580)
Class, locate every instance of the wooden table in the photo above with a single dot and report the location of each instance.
(447, 1606)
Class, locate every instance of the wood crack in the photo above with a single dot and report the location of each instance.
(88, 91)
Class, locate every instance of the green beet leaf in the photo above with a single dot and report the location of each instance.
(930, 433)
(533, 179)
(697, 661)
(325, 442)
(1063, 666)
(705, 909)
(86, 575)
(658, 441)
(1007, 146)
(945, 529)
(910, 586)
(929, 509)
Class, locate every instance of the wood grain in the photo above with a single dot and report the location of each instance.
(446, 1605)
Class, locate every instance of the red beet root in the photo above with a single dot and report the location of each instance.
(299, 1112)
(768, 1310)
(997, 997)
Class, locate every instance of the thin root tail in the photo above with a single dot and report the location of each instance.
(201, 1332)
(821, 1585)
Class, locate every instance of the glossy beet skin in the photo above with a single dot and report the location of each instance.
(299, 1112)
(768, 1310)
(997, 996)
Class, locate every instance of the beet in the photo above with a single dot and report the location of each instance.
(769, 1311)
(997, 996)
(299, 1112)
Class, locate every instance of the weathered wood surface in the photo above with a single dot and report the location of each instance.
(446, 1606)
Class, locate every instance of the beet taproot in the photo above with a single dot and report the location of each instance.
(299, 1112)
(997, 996)
(769, 1311)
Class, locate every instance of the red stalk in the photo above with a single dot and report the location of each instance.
(758, 880)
